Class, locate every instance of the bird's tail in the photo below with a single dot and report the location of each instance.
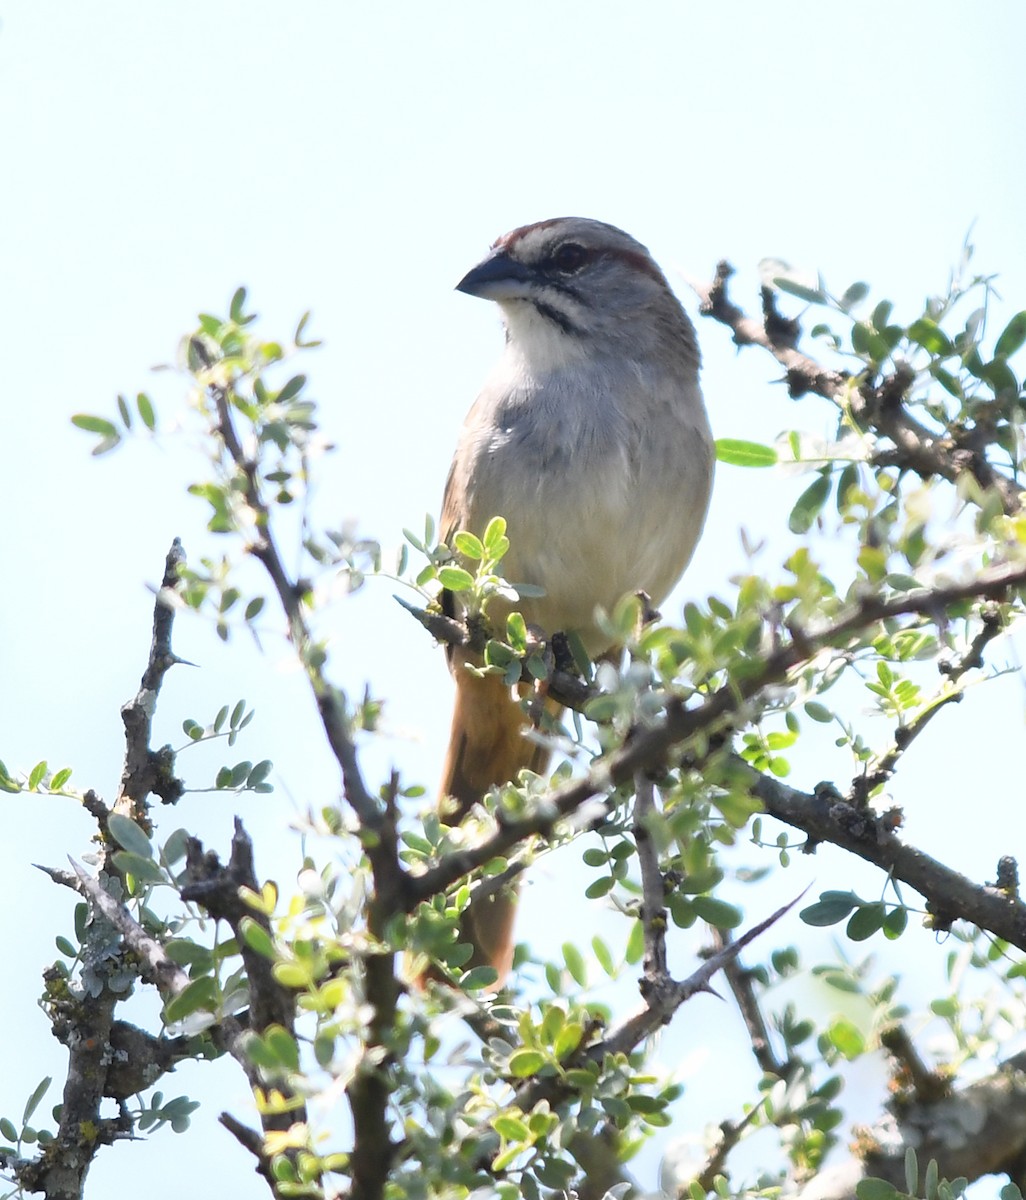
(487, 748)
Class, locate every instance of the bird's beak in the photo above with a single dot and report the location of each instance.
(497, 277)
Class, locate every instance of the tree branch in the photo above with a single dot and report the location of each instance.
(82, 1018)
(739, 980)
(264, 548)
(149, 771)
(661, 1002)
(826, 817)
(653, 908)
(863, 785)
(881, 408)
(652, 747)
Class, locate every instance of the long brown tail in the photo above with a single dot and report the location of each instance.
(487, 748)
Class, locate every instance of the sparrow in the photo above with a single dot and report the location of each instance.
(590, 437)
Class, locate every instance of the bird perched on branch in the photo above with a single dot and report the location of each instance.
(591, 439)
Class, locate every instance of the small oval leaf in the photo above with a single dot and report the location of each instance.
(739, 453)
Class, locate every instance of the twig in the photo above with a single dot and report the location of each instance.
(826, 817)
(369, 1091)
(863, 785)
(83, 1018)
(250, 1140)
(653, 909)
(882, 408)
(927, 1086)
(154, 964)
(652, 747)
(147, 771)
(264, 548)
(660, 1004)
(739, 979)
(731, 1133)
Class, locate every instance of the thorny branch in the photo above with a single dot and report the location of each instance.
(741, 984)
(863, 785)
(83, 1019)
(147, 771)
(369, 1091)
(826, 817)
(653, 908)
(874, 406)
(661, 1002)
(823, 815)
(264, 548)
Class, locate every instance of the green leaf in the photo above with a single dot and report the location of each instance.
(259, 773)
(818, 712)
(931, 337)
(600, 887)
(146, 411)
(283, 1046)
(635, 944)
(1012, 336)
(468, 545)
(36, 775)
(495, 541)
(200, 994)
(511, 1128)
(455, 579)
(141, 866)
(236, 310)
(603, 956)
(717, 912)
(866, 921)
(477, 978)
(516, 631)
(895, 922)
(256, 937)
(523, 1063)
(92, 424)
(575, 964)
(854, 295)
(793, 288)
(809, 504)
(846, 1038)
(911, 1171)
(1000, 376)
(568, 1039)
(38, 1092)
(876, 1189)
(7, 782)
(292, 389)
(129, 835)
(831, 908)
(739, 453)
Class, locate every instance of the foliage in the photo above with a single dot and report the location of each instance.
(908, 566)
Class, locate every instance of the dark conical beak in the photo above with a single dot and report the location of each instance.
(496, 276)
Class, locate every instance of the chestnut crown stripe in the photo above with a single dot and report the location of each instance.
(637, 260)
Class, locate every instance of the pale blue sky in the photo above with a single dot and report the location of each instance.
(356, 159)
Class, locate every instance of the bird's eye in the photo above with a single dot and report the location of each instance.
(570, 257)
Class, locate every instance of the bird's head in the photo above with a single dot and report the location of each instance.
(581, 284)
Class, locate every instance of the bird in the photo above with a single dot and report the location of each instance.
(590, 438)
